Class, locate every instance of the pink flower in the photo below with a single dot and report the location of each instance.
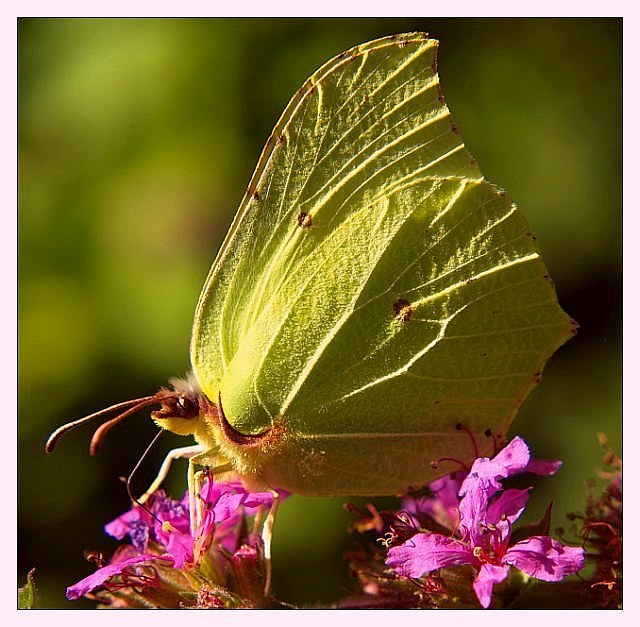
(512, 460)
(442, 504)
(484, 531)
(98, 578)
(161, 535)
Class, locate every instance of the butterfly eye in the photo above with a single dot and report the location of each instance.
(173, 405)
(186, 407)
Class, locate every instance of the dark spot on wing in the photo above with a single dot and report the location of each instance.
(305, 220)
(403, 310)
(255, 195)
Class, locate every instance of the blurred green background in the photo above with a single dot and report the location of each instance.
(137, 138)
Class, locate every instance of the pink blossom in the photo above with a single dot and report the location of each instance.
(164, 523)
(484, 531)
(98, 578)
(442, 504)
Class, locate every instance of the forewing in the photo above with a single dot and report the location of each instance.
(365, 133)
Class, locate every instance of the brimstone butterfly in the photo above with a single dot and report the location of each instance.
(373, 292)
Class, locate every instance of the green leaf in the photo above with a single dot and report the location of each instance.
(27, 593)
(373, 291)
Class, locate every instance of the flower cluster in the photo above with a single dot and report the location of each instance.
(600, 529)
(454, 546)
(171, 563)
(467, 520)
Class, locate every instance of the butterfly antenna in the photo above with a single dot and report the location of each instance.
(127, 481)
(103, 428)
(60, 431)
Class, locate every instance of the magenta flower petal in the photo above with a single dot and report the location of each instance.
(543, 466)
(226, 499)
(135, 523)
(227, 505)
(544, 558)
(102, 574)
(473, 510)
(441, 504)
(425, 552)
(256, 500)
(511, 460)
(510, 504)
(119, 527)
(489, 576)
(169, 510)
(180, 547)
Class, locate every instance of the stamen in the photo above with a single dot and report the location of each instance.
(462, 465)
(167, 527)
(95, 557)
(404, 518)
(461, 427)
(489, 434)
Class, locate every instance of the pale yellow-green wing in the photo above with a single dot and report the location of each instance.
(373, 290)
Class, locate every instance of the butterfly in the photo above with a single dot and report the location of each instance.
(373, 294)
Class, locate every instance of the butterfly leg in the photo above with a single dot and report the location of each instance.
(177, 453)
(267, 534)
(195, 481)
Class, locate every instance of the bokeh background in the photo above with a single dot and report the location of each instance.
(137, 138)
